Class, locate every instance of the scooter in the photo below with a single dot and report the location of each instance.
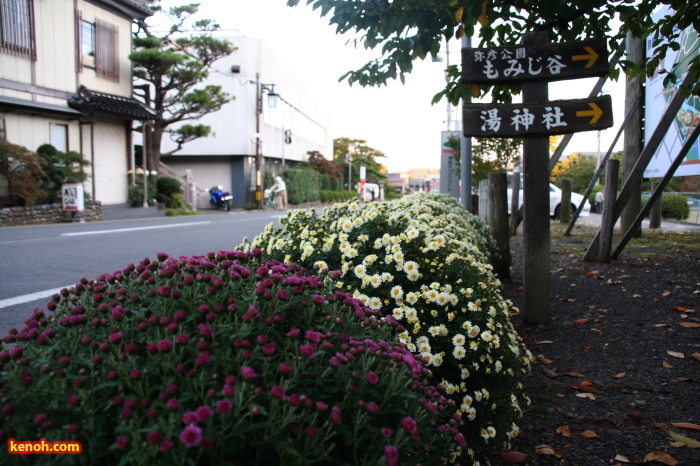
(220, 198)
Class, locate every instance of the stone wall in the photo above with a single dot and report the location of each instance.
(47, 214)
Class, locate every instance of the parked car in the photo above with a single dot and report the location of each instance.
(554, 199)
(370, 188)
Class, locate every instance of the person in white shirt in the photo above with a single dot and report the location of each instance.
(280, 188)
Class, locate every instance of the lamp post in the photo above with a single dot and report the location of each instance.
(272, 103)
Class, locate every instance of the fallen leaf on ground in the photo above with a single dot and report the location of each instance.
(544, 342)
(661, 457)
(513, 456)
(572, 374)
(686, 425)
(675, 354)
(564, 414)
(662, 425)
(581, 321)
(547, 450)
(667, 365)
(621, 375)
(564, 430)
(689, 324)
(666, 294)
(679, 308)
(660, 325)
(583, 388)
(619, 457)
(590, 396)
(695, 356)
(691, 443)
(588, 434)
(637, 296)
(588, 348)
(544, 360)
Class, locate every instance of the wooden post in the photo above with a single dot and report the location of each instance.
(515, 204)
(608, 222)
(565, 205)
(484, 200)
(655, 219)
(633, 136)
(536, 231)
(498, 220)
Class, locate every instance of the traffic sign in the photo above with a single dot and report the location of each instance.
(537, 120)
(546, 62)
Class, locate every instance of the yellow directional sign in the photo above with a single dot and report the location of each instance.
(595, 112)
(546, 62)
(591, 56)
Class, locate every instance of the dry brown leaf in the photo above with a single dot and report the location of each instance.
(581, 321)
(679, 309)
(572, 374)
(564, 430)
(637, 296)
(675, 354)
(588, 434)
(619, 457)
(695, 356)
(660, 325)
(513, 456)
(666, 294)
(689, 324)
(685, 425)
(544, 360)
(677, 444)
(661, 457)
(662, 425)
(590, 396)
(621, 375)
(667, 365)
(547, 450)
(544, 342)
(691, 443)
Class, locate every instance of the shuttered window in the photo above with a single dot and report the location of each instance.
(107, 50)
(17, 28)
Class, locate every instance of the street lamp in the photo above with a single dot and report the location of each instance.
(272, 97)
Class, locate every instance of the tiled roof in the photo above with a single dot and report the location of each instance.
(142, 5)
(97, 102)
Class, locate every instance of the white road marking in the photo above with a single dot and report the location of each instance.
(31, 297)
(120, 230)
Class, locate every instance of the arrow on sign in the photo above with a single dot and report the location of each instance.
(592, 56)
(595, 112)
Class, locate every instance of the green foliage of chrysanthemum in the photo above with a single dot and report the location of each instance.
(423, 261)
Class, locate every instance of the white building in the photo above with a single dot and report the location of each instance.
(65, 80)
(227, 157)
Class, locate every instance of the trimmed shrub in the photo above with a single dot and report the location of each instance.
(423, 261)
(219, 359)
(673, 206)
(302, 185)
(166, 188)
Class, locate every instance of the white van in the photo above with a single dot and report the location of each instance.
(369, 189)
(554, 199)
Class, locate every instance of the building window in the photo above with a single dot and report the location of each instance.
(3, 136)
(87, 43)
(107, 50)
(17, 28)
(58, 135)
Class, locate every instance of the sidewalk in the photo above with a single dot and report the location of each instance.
(126, 212)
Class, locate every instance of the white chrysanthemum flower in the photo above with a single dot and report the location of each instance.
(459, 340)
(424, 347)
(377, 243)
(369, 260)
(396, 292)
(375, 303)
(472, 414)
(435, 286)
(486, 336)
(410, 266)
(342, 237)
(443, 330)
(485, 434)
(362, 238)
(304, 234)
(411, 347)
(397, 313)
(478, 396)
(467, 400)
(353, 207)
(442, 299)
(375, 280)
(360, 270)
(345, 267)
(413, 275)
(280, 243)
(358, 221)
(366, 279)
(474, 331)
(440, 240)
(320, 265)
(459, 352)
(428, 357)
(412, 233)
(411, 315)
(422, 339)
(346, 225)
(351, 253)
(465, 374)
(344, 246)
(387, 277)
(398, 256)
(364, 298)
(411, 298)
(492, 431)
(431, 295)
(453, 299)
(437, 360)
(434, 331)
(499, 366)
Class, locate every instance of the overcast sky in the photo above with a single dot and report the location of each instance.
(397, 119)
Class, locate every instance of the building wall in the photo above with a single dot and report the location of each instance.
(233, 139)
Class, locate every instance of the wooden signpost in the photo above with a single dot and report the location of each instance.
(533, 64)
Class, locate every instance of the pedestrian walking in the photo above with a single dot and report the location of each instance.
(280, 188)
(599, 202)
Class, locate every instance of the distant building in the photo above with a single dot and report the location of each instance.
(399, 181)
(228, 156)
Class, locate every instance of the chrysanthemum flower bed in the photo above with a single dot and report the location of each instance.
(219, 359)
(423, 262)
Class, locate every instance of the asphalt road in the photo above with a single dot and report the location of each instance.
(37, 261)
